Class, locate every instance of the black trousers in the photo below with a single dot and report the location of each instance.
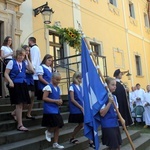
(36, 87)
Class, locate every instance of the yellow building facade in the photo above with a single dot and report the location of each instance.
(116, 29)
(121, 28)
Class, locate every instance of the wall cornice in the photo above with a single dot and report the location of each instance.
(15, 2)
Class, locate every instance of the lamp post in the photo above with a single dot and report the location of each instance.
(45, 11)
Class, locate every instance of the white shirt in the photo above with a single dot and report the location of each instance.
(40, 70)
(10, 65)
(139, 93)
(35, 59)
(71, 88)
(48, 88)
(6, 50)
(132, 96)
(118, 80)
(146, 98)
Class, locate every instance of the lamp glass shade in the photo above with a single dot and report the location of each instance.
(129, 76)
(47, 15)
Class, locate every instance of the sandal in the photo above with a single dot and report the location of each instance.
(31, 117)
(74, 141)
(22, 128)
(14, 117)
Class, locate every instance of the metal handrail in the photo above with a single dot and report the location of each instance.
(65, 64)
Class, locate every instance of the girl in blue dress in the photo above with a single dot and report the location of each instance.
(76, 105)
(44, 72)
(111, 136)
(30, 83)
(15, 74)
(51, 113)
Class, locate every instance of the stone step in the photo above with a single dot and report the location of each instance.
(134, 134)
(35, 112)
(12, 136)
(4, 101)
(11, 124)
(141, 143)
(8, 107)
(83, 145)
(7, 115)
(7, 100)
(38, 142)
(148, 148)
(64, 97)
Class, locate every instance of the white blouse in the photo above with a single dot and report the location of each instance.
(71, 88)
(40, 70)
(10, 65)
(6, 50)
(48, 88)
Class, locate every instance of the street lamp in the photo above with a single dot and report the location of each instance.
(45, 11)
(129, 75)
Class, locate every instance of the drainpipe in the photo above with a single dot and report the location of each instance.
(127, 42)
(143, 45)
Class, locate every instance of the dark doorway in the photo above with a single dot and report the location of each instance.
(1, 41)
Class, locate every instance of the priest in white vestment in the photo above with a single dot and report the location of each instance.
(132, 98)
(139, 95)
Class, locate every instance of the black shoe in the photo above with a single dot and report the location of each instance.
(7, 96)
(92, 145)
(32, 117)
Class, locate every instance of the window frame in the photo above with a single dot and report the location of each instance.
(98, 46)
(113, 2)
(146, 20)
(138, 65)
(56, 45)
(131, 9)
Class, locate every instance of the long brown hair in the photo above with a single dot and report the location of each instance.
(24, 47)
(6, 41)
(47, 56)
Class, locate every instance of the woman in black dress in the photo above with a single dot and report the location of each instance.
(122, 98)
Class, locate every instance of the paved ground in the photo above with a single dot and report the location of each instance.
(140, 126)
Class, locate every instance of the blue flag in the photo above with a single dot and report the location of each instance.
(94, 96)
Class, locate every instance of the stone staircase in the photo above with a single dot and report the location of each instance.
(11, 139)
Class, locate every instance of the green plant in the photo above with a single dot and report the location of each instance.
(69, 35)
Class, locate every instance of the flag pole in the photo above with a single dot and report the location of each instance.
(118, 113)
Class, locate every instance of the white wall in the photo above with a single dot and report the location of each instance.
(26, 24)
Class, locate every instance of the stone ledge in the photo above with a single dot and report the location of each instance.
(15, 2)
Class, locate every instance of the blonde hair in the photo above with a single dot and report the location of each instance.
(19, 52)
(109, 79)
(75, 77)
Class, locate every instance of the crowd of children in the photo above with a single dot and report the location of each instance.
(20, 72)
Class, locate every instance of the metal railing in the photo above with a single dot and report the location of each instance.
(68, 65)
